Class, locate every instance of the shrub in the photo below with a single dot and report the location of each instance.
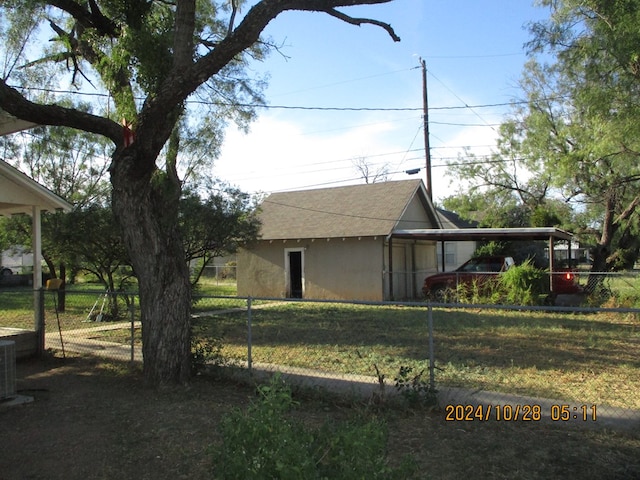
(265, 441)
(523, 284)
(206, 348)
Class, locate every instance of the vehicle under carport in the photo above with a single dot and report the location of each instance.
(549, 234)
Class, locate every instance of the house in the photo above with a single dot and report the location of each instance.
(338, 243)
(20, 194)
(455, 253)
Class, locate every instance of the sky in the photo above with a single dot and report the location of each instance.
(474, 54)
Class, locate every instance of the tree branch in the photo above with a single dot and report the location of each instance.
(184, 81)
(183, 38)
(630, 210)
(361, 21)
(89, 19)
(232, 18)
(15, 104)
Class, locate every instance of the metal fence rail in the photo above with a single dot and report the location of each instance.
(506, 363)
(486, 362)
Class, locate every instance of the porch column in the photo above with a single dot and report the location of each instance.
(36, 247)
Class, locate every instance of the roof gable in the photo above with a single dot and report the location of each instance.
(351, 211)
(452, 220)
(19, 193)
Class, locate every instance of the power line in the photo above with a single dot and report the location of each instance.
(465, 103)
(330, 212)
(300, 107)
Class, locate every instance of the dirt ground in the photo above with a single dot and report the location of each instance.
(95, 420)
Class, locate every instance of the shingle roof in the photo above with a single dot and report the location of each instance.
(454, 219)
(352, 211)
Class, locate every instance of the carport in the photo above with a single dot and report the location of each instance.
(550, 234)
(20, 194)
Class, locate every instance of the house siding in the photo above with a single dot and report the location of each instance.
(349, 268)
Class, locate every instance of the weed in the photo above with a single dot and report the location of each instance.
(415, 389)
(206, 348)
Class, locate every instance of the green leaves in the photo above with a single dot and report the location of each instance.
(570, 156)
(267, 441)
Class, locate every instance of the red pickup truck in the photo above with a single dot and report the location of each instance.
(482, 269)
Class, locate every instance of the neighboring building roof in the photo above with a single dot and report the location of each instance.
(19, 193)
(351, 211)
(453, 220)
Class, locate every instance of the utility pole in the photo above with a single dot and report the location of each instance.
(425, 106)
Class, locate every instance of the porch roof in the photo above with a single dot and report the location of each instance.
(20, 193)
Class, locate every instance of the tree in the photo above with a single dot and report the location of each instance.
(164, 52)
(577, 137)
(216, 225)
(368, 173)
(591, 118)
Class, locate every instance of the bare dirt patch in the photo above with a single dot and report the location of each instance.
(94, 419)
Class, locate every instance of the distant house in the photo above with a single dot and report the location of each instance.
(455, 253)
(337, 243)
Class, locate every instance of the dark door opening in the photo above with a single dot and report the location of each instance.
(295, 274)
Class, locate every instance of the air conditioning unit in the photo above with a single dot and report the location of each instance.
(7, 369)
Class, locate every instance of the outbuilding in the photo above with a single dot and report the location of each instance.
(335, 243)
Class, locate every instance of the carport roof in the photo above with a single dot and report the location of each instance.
(484, 234)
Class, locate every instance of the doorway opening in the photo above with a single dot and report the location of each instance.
(294, 271)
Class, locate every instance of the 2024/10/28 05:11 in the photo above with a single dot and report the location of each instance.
(517, 412)
(565, 413)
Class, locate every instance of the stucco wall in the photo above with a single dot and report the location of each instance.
(415, 216)
(351, 269)
(333, 269)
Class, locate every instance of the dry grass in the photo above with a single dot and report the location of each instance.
(97, 420)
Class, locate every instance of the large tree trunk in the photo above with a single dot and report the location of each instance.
(146, 206)
(603, 248)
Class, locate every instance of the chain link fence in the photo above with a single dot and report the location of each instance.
(480, 363)
(505, 363)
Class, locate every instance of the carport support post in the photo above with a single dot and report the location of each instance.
(432, 381)
(249, 360)
(551, 264)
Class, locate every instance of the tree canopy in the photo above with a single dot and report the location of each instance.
(576, 140)
(148, 60)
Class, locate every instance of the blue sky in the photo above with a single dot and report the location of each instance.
(474, 53)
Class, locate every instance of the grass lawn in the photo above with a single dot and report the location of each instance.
(591, 358)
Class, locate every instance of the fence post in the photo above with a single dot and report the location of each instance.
(432, 382)
(249, 359)
(132, 309)
(39, 320)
